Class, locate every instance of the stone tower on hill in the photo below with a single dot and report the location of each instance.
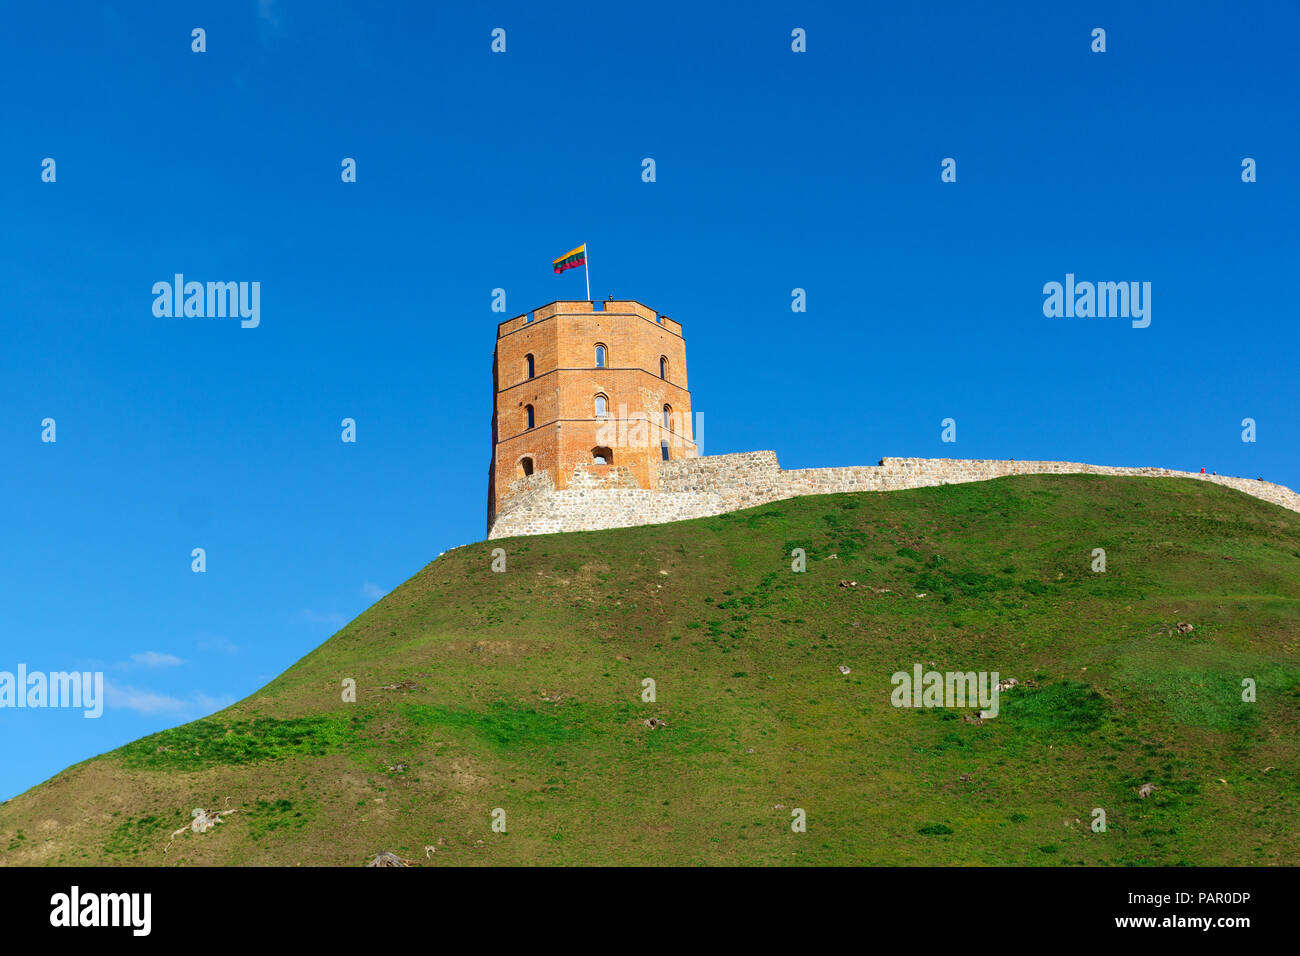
(586, 395)
(592, 429)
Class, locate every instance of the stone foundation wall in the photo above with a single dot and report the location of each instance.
(922, 472)
(714, 484)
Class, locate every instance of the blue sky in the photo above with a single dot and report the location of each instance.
(775, 170)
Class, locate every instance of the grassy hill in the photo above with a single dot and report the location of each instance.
(522, 690)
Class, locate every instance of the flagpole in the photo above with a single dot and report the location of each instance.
(587, 269)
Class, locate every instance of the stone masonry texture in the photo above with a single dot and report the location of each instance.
(594, 498)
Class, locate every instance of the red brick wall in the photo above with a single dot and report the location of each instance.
(562, 339)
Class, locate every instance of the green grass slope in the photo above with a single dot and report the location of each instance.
(521, 690)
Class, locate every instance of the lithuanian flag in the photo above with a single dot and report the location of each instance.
(571, 260)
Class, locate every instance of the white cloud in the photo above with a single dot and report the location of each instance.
(372, 591)
(141, 701)
(218, 644)
(154, 659)
(144, 701)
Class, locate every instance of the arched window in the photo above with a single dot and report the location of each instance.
(668, 418)
(602, 406)
(663, 367)
(602, 456)
(601, 356)
(526, 467)
(528, 360)
(528, 409)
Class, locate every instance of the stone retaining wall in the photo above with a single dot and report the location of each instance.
(714, 484)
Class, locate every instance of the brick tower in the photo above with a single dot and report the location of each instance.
(587, 392)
